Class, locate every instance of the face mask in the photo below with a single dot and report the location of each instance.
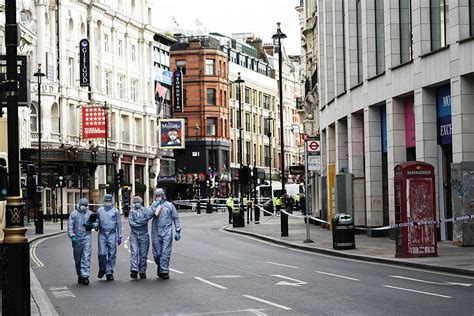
(108, 203)
(137, 205)
(83, 207)
(159, 199)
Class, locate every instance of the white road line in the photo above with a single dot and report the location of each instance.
(176, 271)
(268, 302)
(295, 281)
(33, 255)
(337, 276)
(415, 291)
(282, 265)
(210, 283)
(61, 292)
(125, 246)
(429, 282)
(226, 276)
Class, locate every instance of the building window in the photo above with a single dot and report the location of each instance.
(379, 36)
(254, 123)
(133, 90)
(438, 23)
(119, 47)
(72, 119)
(133, 53)
(34, 118)
(231, 117)
(181, 64)
(211, 126)
(231, 90)
(266, 102)
(125, 129)
(107, 83)
(209, 67)
(138, 131)
(247, 152)
(106, 43)
(405, 31)
(211, 96)
(247, 95)
(471, 17)
(121, 86)
(359, 40)
(70, 65)
(247, 122)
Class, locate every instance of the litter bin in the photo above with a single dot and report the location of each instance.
(343, 232)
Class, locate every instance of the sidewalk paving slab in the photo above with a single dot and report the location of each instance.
(453, 259)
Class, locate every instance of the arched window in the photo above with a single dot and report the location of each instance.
(55, 118)
(34, 118)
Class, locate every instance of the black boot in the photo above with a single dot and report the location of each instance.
(101, 274)
(110, 277)
(165, 276)
(158, 272)
(133, 274)
(79, 280)
(142, 275)
(85, 281)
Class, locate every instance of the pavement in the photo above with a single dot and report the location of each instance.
(452, 259)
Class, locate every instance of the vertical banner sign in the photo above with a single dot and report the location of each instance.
(171, 133)
(331, 192)
(93, 122)
(84, 63)
(22, 73)
(443, 104)
(178, 91)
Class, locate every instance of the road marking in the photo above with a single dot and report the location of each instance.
(415, 291)
(295, 281)
(337, 276)
(282, 265)
(176, 271)
(430, 282)
(61, 292)
(239, 312)
(226, 276)
(268, 302)
(210, 283)
(33, 255)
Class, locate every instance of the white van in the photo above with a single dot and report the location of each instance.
(263, 191)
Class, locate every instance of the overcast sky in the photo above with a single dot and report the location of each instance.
(238, 16)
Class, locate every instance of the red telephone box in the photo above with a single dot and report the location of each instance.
(415, 203)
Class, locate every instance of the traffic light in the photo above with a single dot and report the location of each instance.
(3, 179)
(120, 178)
(60, 182)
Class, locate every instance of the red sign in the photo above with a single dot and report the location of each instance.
(305, 137)
(93, 122)
(313, 145)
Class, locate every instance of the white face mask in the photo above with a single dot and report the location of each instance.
(83, 207)
(108, 203)
(159, 199)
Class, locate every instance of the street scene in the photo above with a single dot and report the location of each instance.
(272, 157)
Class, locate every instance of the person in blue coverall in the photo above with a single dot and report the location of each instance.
(79, 231)
(164, 216)
(139, 238)
(110, 235)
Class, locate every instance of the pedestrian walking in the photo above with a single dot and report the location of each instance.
(79, 231)
(230, 207)
(139, 238)
(110, 235)
(164, 216)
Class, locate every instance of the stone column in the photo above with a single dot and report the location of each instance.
(462, 111)
(426, 126)
(355, 136)
(373, 167)
(396, 143)
(342, 161)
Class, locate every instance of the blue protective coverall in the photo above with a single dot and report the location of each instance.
(82, 249)
(162, 234)
(139, 238)
(110, 226)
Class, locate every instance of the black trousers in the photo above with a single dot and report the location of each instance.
(229, 209)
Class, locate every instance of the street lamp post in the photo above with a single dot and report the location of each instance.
(106, 109)
(270, 119)
(39, 191)
(16, 256)
(241, 223)
(197, 130)
(277, 37)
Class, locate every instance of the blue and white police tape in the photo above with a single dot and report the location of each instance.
(421, 223)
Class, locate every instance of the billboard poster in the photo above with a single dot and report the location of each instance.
(93, 122)
(331, 189)
(171, 133)
(443, 104)
(84, 63)
(178, 91)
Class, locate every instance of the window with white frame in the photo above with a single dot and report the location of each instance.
(119, 47)
(34, 117)
(107, 84)
(211, 126)
(106, 43)
(121, 86)
(439, 16)
(209, 67)
(70, 65)
(133, 53)
(133, 90)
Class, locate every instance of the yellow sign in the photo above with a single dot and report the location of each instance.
(331, 193)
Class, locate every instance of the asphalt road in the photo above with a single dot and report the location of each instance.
(216, 272)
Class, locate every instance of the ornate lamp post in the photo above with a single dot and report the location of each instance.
(277, 38)
(241, 223)
(39, 191)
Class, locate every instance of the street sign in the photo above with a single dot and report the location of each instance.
(314, 163)
(305, 137)
(313, 146)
